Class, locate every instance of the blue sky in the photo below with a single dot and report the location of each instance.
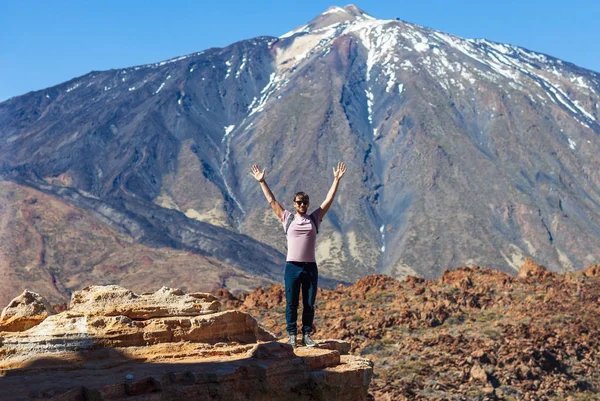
(44, 43)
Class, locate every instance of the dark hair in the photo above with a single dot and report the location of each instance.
(302, 196)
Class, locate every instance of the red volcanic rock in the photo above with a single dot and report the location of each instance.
(459, 277)
(592, 271)
(473, 334)
(478, 373)
(480, 277)
(412, 281)
(227, 299)
(224, 293)
(377, 282)
(530, 269)
(268, 298)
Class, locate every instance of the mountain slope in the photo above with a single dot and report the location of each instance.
(460, 151)
(55, 247)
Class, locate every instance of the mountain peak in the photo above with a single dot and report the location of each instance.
(349, 12)
(332, 16)
(353, 10)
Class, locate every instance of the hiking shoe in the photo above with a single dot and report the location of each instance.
(307, 340)
(292, 340)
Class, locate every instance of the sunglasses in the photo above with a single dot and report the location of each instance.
(301, 202)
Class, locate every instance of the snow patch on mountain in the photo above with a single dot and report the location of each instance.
(228, 64)
(583, 111)
(170, 61)
(580, 82)
(420, 43)
(370, 105)
(242, 65)
(158, 90)
(467, 76)
(333, 10)
(511, 57)
(350, 11)
(73, 87)
(557, 94)
(303, 28)
(275, 83)
(468, 48)
(381, 41)
(228, 130)
(531, 55)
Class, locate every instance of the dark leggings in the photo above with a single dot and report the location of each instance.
(300, 275)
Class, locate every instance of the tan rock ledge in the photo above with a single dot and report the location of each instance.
(25, 311)
(115, 345)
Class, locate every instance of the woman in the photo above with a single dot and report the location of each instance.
(301, 272)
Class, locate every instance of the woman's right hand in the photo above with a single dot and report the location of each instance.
(257, 174)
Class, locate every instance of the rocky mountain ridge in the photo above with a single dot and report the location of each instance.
(460, 151)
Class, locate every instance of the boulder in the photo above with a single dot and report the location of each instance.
(478, 374)
(530, 269)
(25, 311)
(592, 271)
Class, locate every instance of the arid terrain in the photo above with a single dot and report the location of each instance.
(474, 334)
(54, 248)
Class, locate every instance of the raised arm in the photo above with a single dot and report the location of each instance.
(337, 176)
(260, 177)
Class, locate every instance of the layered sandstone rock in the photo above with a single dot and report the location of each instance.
(113, 344)
(25, 311)
(113, 300)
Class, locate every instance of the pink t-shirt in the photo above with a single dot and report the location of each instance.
(301, 236)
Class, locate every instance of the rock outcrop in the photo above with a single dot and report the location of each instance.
(530, 269)
(592, 271)
(25, 311)
(112, 344)
(114, 300)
